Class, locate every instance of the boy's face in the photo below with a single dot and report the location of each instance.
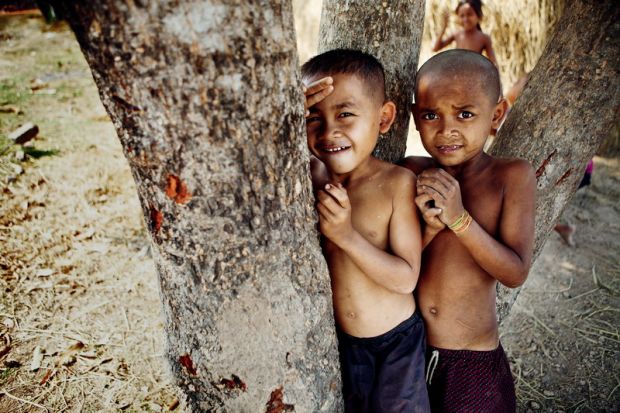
(467, 17)
(454, 116)
(343, 128)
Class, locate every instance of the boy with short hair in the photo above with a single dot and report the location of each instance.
(371, 235)
(479, 215)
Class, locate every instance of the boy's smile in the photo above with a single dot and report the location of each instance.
(343, 128)
(454, 116)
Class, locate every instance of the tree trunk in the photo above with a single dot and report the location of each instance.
(568, 106)
(390, 31)
(206, 100)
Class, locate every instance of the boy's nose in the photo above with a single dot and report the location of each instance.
(329, 129)
(448, 127)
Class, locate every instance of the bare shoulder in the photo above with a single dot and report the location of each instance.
(396, 179)
(417, 164)
(514, 171)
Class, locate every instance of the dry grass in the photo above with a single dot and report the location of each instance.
(77, 279)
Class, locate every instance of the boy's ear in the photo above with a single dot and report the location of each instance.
(414, 113)
(388, 114)
(501, 108)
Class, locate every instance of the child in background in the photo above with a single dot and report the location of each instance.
(479, 215)
(470, 37)
(370, 234)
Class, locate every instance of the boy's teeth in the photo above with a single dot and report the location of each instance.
(339, 148)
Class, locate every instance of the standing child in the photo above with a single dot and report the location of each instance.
(479, 214)
(371, 234)
(470, 37)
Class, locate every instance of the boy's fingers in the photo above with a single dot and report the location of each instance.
(435, 190)
(339, 193)
(314, 98)
(328, 202)
(432, 212)
(447, 180)
(324, 212)
(318, 85)
(423, 202)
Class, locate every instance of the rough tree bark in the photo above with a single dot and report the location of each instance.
(206, 100)
(392, 32)
(568, 106)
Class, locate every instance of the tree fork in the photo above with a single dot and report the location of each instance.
(206, 99)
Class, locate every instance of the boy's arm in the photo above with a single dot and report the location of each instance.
(488, 46)
(440, 43)
(397, 271)
(507, 258)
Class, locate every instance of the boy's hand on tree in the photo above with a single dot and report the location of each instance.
(334, 213)
(316, 92)
(430, 213)
(444, 190)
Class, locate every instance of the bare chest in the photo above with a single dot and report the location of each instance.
(470, 42)
(484, 201)
(370, 217)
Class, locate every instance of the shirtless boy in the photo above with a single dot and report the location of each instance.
(371, 235)
(479, 230)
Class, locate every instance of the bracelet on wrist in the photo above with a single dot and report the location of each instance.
(462, 223)
(459, 220)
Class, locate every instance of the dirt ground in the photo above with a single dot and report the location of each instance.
(80, 321)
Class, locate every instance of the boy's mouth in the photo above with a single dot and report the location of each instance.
(448, 148)
(334, 149)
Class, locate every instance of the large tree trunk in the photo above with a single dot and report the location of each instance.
(391, 31)
(568, 106)
(206, 100)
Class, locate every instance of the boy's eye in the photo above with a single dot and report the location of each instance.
(312, 119)
(345, 115)
(429, 116)
(466, 115)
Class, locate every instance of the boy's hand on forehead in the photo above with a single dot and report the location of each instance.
(317, 91)
(334, 213)
(444, 190)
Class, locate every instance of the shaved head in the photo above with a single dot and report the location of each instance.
(463, 64)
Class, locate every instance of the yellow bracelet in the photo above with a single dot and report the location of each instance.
(459, 220)
(463, 227)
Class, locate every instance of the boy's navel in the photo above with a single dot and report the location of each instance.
(351, 314)
(433, 310)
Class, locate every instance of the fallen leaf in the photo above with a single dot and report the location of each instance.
(187, 362)
(50, 373)
(173, 404)
(37, 358)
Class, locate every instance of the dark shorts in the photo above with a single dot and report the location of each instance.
(470, 381)
(385, 373)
